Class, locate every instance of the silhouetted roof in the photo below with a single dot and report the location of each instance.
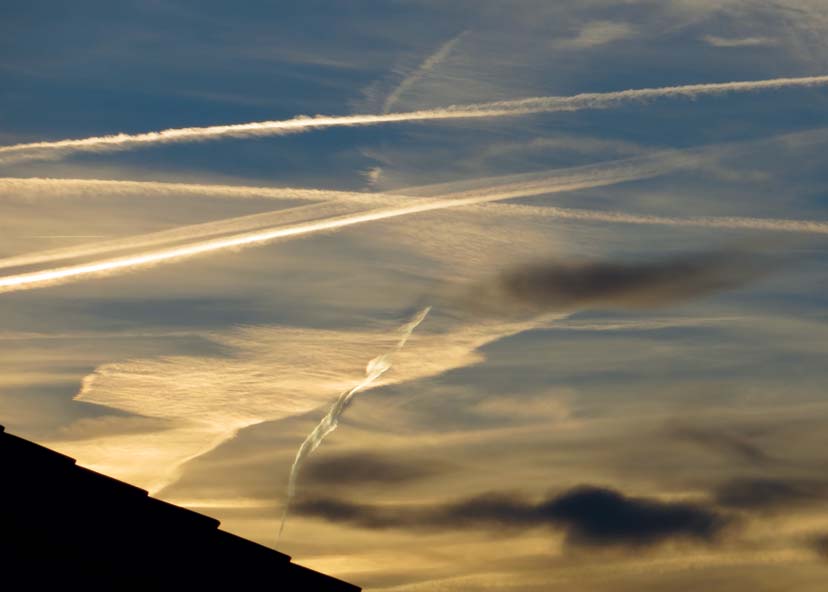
(62, 524)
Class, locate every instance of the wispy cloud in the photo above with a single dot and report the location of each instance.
(717, 41)
(596, 34)
(274, 372)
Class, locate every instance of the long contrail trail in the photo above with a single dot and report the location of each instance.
(123, 141)
(553, 184)
(181, 234)
(244, 223)
(725, 222)
(13, 187)
(48, 277)
(373, 371)
(336, 202)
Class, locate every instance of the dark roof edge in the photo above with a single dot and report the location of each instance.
(14, 449)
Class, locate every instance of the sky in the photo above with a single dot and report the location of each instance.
(558, 335)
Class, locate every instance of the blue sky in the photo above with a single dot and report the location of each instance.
(198, 378)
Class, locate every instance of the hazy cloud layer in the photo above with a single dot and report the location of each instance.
(359, 468)
(731, 444)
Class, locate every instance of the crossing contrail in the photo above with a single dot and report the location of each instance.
(244, 223)
(181, 234)
(335, 202)
(567, 180)
(123, 141)
(373, 371)
(586, 177)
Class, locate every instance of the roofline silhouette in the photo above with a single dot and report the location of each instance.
(64, 524)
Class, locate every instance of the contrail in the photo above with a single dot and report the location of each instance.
(552, 184)
(422, 70)
(337, 202)
(12, 187)
(375, 368)
(181, 234)
(123, 141)
(243, 223)
(726, 222)
(574, 179)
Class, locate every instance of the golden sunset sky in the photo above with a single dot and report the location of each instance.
(218, 219)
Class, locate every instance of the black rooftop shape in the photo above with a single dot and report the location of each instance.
(63, 526)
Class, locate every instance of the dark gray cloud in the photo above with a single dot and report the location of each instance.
(365, 467)
(565, 285)
(603, 516)
(763, 494)
(590, 516)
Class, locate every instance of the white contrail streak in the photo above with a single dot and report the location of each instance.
(182, 233)
(422, 70)
(122, 141)
(374, 370)
(545, 184)
(574, 179)
(726, 222)
(43, 187)
(338, 202)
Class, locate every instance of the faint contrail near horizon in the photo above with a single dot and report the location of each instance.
(123, 141)
(373, 371)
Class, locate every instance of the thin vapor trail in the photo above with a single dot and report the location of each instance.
(181, 234)
(123, 141)
(586, 177)
(373, 371)
(337, 202)
(551, 184)
(422, 70)
(243, 223)
(13, 187)
(728, 222)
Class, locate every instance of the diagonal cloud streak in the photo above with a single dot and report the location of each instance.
(50, 187)
(422, 70)
(183, 233)
(571, 180)
(340, 202)
(374, 370)
(122, 141)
